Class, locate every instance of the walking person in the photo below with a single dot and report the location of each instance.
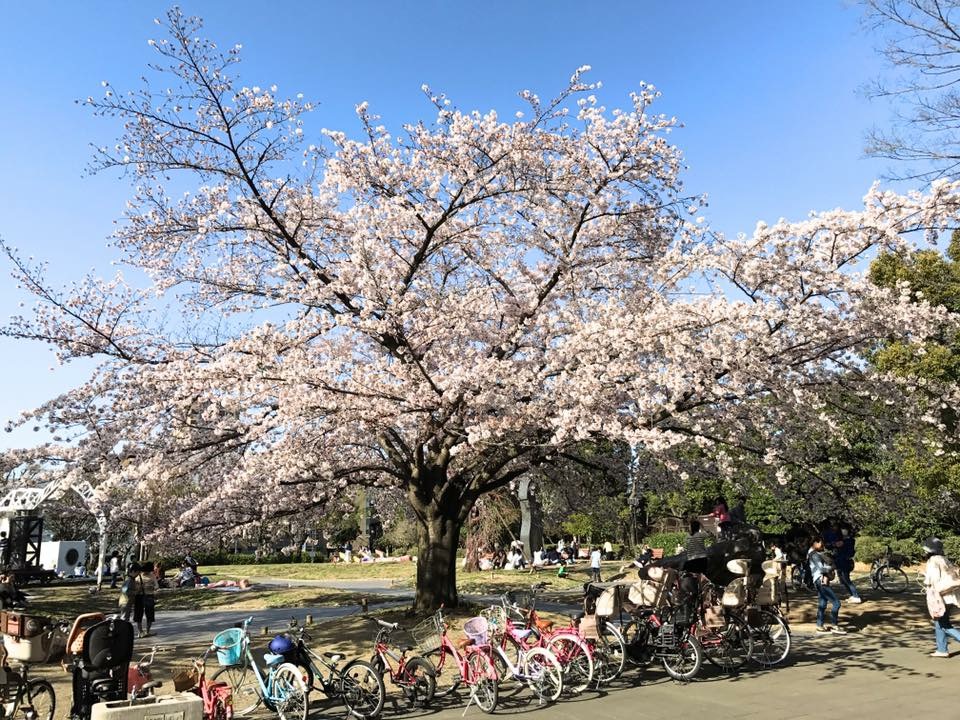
(114, 569)
(823, 572)
(145, 607)
(942, 580)
(595, 554)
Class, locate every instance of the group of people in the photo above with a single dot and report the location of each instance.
(138, 596)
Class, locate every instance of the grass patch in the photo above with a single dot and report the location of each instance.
(313, 571)
(68, 602)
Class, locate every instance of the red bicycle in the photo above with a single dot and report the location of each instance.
(217, 696)
(413, 675)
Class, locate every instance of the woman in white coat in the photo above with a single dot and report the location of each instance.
(938, 574)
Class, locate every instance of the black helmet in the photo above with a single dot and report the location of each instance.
(933, 546)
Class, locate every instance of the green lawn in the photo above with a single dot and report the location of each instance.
(313, 571)
(70, 601)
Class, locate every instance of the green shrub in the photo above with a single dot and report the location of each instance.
(666, 540)
(869, 548)
(910, 549)
(951, 547)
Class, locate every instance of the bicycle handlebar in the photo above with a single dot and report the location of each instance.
(385, 625)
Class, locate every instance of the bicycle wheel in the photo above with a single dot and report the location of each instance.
(609, 654)
(730, 646)
(636, 636)
(288, 693)
(892, 580)
(483, 681)
(362, 690)
(418, 681)
(243, 684)
(543, 673)
(771, 639)
(575, 659)
(684, 662)
(446, 671)
(41, 699)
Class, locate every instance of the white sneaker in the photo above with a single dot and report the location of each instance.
(855, 600)
(939, 653)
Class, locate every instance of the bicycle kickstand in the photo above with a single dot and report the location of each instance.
(469, 703)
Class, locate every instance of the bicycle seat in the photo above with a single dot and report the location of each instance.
(407, 648)
(334, 657)
(523, 634)
(577, 617)
(271, 659)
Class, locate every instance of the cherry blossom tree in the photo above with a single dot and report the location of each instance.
(436, 311)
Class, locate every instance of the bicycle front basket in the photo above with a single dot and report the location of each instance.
(520, 598)
(897, 561)
(229, 646)
(427, 634)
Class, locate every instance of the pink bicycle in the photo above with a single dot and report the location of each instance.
(469, 662)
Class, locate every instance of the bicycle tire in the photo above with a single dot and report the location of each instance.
(418, 681)
(893, 580)
(609, 654)
(543, 674)
(362, 690)
(447, 677)
(771, 639)
(483, 681)
(288, 693)
(243, 684)
(685, 663)
(636, 637)
(41, 699)
(729, 647)
(576, 659)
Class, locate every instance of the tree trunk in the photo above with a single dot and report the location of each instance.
(438, 535)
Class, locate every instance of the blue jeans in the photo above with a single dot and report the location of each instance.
(826, 594)
(844, 577)
(942, 628)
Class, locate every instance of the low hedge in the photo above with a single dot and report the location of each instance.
(666, 540)
(870, 548)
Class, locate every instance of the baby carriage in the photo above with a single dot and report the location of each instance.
(100, 669)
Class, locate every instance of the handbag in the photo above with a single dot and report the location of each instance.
(949, 580)
(935, 604)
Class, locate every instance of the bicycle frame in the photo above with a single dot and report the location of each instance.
(466, 671)
(383, 651)
(265, 682)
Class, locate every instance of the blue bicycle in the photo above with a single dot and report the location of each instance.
(283, 690)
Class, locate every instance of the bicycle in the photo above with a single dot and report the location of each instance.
(415, 676)
(887, 574)
(140, 683)
(536, 667)
(566, 643)
(217, 696)
(474, 667)
(282, 690)
(357, 685)
(725, 637)
(18, 692)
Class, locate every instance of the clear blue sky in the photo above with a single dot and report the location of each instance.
(767, 92)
